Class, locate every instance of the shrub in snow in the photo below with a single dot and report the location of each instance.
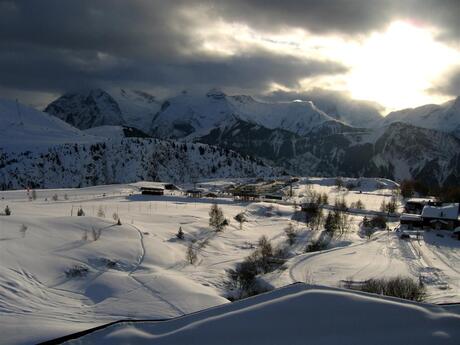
(96, 233)
(401, 287)
(77, 271)
(23, 230)
(339, 183)
(80, 212)
(291, 234)
(115, 216)
(55, 197)
(358, 205)
(316, 246)
(34, 194)
(118, 221)
(240, 218)
(180, 234)
(191, 256)
(100, 212)
(66, 197)
(7, 211)
(375, 222)
(264, 259)
(216, 218)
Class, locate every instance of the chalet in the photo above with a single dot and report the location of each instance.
(152, 190)
(170, 186)
(441, 217)
(416, 205)
(273, 197)
(434, 217)
(246, 193)
(194, 193)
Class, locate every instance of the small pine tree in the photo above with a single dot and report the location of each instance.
(55, 197)
(180, 234)
(80, 212)
(359, 205)
(118, 221)
(7, 211)
(34, 194)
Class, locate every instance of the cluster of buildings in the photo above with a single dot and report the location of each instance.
(423, 213)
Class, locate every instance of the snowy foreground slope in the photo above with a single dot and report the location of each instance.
(139, 269)
(298, 314)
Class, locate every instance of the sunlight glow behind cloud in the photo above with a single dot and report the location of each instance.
(396, 67)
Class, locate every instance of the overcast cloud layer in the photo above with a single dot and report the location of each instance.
(49, 47)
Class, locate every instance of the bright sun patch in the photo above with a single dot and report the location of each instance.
(397, 67)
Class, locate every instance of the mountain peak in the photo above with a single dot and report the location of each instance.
(216, 93)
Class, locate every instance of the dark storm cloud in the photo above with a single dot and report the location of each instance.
(449, 84)
(348, 17)
(53, 46)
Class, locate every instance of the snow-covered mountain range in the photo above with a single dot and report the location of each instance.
(39, 150)
(304, 137)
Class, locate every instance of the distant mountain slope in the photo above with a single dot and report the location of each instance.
(116, 132)
(39, 150)
(352, 112)
(123, 161)
(444, 117)
(397, 151)
(138, 108)
(24, 128)
(87, 109)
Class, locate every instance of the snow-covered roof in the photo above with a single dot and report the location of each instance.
(411, 217)
(420, 200)
(442, 212)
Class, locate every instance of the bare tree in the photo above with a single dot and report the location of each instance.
(100, 212)
(191, 256)
(23, 230)
(291, 234)
(96, 233)
(240, 218)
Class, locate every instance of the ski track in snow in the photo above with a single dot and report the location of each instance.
(154, 292)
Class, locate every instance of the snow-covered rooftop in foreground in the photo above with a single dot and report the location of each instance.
(445, 212)
(297, 314)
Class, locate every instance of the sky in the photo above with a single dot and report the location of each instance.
(398, 54)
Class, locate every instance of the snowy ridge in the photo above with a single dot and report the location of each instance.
(40, 150)
(282, 317)
(121, 161)
(444, 117)
(194, 115)
(24, 128)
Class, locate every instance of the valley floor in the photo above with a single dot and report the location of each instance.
(138, 269)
